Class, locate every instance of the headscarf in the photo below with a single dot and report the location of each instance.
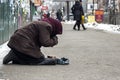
(56, 25)
(77, 3)
(80, 0)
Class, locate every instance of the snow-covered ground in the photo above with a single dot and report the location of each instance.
(3, 49)
(100, 26)
(105, 27)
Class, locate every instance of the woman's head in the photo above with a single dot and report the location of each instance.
(56, 25)
(77, 2)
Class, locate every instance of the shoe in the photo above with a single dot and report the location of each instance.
(74, 28)
(11, 58)
(78, 29)
(63, 61)
(85, 28)
(8, 58)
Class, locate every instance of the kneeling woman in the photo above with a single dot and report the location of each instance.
(26, 42)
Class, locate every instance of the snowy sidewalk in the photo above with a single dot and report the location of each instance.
(93, 55)
(105, 27)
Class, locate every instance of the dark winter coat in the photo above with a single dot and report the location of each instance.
(59, 15)
(30, 38)
(77, 11)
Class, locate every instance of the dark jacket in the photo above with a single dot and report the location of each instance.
(30, 38)
(77, 10)
(59, 15)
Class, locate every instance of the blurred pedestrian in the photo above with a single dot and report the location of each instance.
(59, 15)
(53, 14)
(77, 11)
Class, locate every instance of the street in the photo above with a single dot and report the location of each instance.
(93, 55)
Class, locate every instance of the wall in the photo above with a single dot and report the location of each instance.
(8, 19)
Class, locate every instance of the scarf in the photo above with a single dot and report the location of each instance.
(56, 25)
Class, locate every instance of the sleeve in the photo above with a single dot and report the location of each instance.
(82, 11)
(72, 9)
(45, 38)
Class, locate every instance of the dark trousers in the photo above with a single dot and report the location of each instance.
(17, 57)
(77, 23)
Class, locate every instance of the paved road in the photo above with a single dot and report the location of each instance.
(93, 54)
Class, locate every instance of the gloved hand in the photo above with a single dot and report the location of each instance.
(55, 39)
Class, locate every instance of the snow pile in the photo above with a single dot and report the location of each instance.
(100, 26)
(4, 49)
(69, 22)
(105, 27)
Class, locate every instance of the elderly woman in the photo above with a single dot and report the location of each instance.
(26, 42)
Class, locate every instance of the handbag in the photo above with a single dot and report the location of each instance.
(83, 19)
